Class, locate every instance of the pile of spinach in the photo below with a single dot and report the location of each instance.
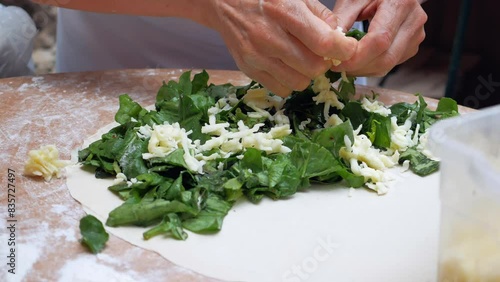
(169, 198)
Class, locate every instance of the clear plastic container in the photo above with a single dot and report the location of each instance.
(469, 149)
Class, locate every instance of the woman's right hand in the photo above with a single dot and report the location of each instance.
(280, 43)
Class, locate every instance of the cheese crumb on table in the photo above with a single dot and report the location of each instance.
(45, 162)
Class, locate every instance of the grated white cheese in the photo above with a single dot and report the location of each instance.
(232, 146)
(422, 145)
(144, 132)
(220, 166)
(214, 128)
(304, 123)
(279, 118)
(120, 177)
(133, 181)
(363, 151)
(259, 113)
(167, 138)
(257, 98)
(321, 86)
(332, 121)
(367, 161)
(321, 83)
(405, 166)
(213, 143)
(380, 187)
(363, 159)
(245, 137)
(279, 131)
(45, 162)
(401, 135)
(344, 77)
(264, 142)
(375, 107)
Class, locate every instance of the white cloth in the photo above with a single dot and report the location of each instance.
(92, 41)
(17, 32)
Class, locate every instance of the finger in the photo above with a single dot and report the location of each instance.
(280, 73)
(345, 13)
(415, 32)
(405, 46)
(283, 73)
(310, 29)
(300, 58)
(381, 34)
(270, 40)
(412, 51)
(270, 83)
(294, 54)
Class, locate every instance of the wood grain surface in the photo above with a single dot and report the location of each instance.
(64, 109)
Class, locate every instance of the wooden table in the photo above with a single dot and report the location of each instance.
(64, 109)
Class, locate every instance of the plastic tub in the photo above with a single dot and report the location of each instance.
(469, 149)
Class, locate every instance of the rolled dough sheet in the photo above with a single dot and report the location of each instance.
(323, 234)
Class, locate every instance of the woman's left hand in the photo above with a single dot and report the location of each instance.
(394, 35)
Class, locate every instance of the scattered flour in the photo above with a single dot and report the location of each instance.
(87, 268)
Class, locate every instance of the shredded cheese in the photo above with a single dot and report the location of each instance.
(321, 86)
(45, 162)
(375, 107)
(167, 138)
(367, 161)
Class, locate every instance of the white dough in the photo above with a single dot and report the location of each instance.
(318, 235)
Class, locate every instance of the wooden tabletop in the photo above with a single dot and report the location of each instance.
(64, 109)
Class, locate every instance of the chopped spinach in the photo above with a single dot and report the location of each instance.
(94, 236)
(167, 197)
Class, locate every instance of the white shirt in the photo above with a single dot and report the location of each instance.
(17, 31)
(93, 41)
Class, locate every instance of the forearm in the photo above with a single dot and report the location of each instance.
(158, 8)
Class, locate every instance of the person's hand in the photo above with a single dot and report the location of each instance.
(281, 43)
(395, 32)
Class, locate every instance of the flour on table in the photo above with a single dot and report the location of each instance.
(79, 270)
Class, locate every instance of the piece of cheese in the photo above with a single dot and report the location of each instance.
(375, 107)
(367, 161)
(45, 162)
(401, 135)
(258, 98)
(321, 86)
(332, 121)
(304, 123)
(167, 138)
